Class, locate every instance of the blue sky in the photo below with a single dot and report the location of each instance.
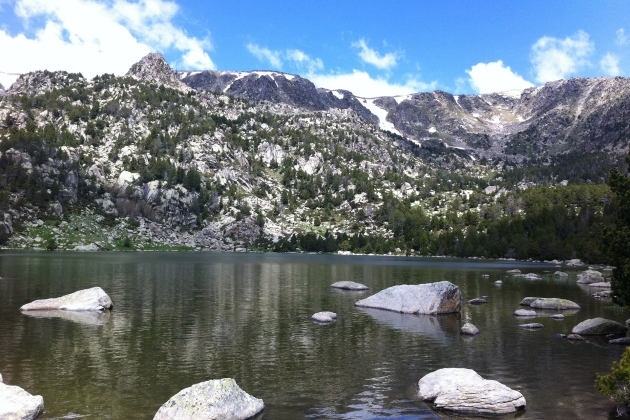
(372, 48)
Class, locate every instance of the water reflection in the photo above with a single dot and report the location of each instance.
(442, 328)
(82, 317)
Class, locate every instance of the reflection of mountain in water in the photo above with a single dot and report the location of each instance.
(87, 318)
(439, 327)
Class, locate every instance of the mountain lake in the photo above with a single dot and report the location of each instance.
(180, 318)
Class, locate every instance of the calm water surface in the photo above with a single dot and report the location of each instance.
(183, 318)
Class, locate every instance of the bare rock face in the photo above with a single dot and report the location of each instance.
(599, 326)
(554, 303)
(349, 285)
(244, 231)
(219, 399)
(590, 276)
(432, 298)
(17, 404)
(94, 299)
(154, 68)
(464, 391)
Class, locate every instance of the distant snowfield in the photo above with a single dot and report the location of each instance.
(337, 94)
(381, 114)
(7, 79)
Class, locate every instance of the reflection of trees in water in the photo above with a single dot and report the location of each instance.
(180, 319)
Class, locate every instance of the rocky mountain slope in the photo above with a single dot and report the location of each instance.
(263, 160)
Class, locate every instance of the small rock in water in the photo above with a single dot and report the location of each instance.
(469, 329)
(485, 276)
(557, 316)
(623, 340)
(349, 285)
(628, 322)
(554, 303)
(498, 282)
(600, 285)
(599, 326)
(216, 399)
(528, 300)
(560, 274)
(525, 312)
(477, 301)
(514, 271)
(532, 326)
(94, 299)
(464, 391)
(17, 404)
(604, 294)
(575, 337)
(325, 316)
(590, 276)
(485, 297)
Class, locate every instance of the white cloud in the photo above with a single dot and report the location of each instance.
(94, 37)
(495, 77)
(299, 59)
(622, 38)
(303, 61)
(265, 54)
(370, 56)
(610, 65)
(362, 84)
(555, 58)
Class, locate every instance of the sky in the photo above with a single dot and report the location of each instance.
(372, 48)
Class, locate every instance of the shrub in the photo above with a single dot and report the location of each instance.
(617, 384)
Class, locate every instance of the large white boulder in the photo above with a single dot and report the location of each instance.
(94, 299)
(219, 399)
(432, 298)
(17, 404)
(465, 391)
(590, 276)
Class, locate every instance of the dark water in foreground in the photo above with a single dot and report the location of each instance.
(183, 318)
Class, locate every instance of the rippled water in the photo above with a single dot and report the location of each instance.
(183, 318)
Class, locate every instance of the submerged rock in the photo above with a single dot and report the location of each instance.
(325, 316)
(469, 329)
(464, 391)
(590, 276)
(560, 274)
(528, 300)
(477, 301)
(219, 399)
(17, 404)
(557, 316)
(433, 298)
(554, 303)
(604, 294)
(349, 285)
(599, 326)
(525, 312)
(600, 285)
(94, 299)
(532, 326)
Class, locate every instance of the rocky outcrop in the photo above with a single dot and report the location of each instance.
(590, 276)
(153, 68)
(245, 231)
(324, 317)
(17, 404)
(349, 285)
(599, 326)
(219, 399)
(469, 329)
(94, 299)
(432, 298)
(554, 303)
(464, 391)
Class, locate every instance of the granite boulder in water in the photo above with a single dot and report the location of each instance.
(94, 299)
(590, 276)
(324, 317)
(349, 285)
(17, 404)
(219, 399)
(432, 298)
(465, 391)
(554, 303)
(599, 326)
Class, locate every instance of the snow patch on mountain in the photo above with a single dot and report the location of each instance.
(381, 114)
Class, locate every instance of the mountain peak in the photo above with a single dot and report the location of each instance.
(154, 68)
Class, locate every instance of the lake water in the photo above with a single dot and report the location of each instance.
(183, 318)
